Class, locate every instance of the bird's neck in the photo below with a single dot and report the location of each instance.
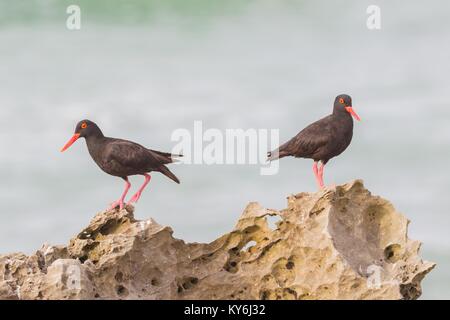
(96, 136)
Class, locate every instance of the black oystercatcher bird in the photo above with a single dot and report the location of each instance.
(322, 140)
(122, 158)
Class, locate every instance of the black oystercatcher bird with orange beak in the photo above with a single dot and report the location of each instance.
(322, 140)
(122, 158)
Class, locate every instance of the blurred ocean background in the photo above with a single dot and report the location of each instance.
(142, 69)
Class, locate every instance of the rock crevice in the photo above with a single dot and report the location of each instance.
(340, 243)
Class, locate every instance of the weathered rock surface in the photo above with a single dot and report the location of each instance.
(340, 243)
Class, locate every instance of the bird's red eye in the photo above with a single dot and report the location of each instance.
(341, 101)
(84, 125)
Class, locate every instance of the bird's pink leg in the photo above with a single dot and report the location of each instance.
(321, 169)
(317, 174)
(121, 202)
(138, 194)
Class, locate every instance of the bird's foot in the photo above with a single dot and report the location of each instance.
(115, 204)
(323, 187)
(135, 198)
(332, 186)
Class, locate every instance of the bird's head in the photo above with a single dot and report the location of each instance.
(84, 129)
(343, 102)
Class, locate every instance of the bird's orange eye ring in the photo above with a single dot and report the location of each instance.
(84, 125)
(341, 101)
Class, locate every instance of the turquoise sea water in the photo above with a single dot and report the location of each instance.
(142, 69)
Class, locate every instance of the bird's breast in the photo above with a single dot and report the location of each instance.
(343, 134)
(97, 151)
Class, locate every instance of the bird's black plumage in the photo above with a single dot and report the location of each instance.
(122, 158)
(323, 139)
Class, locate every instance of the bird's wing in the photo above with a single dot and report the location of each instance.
(308, 141)
(132, 155)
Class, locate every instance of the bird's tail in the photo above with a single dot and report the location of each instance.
(170, 158)
(165, 171)
(273, 155)
(175, 158)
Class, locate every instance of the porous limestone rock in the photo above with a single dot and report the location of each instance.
(339, 243)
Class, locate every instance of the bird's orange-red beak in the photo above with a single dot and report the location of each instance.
(353, 113)
(71, 142)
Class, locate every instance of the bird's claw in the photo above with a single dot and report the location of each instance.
(135, 198)
(116, 204)
(324, 187)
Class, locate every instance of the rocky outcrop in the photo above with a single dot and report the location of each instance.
(340, 243)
